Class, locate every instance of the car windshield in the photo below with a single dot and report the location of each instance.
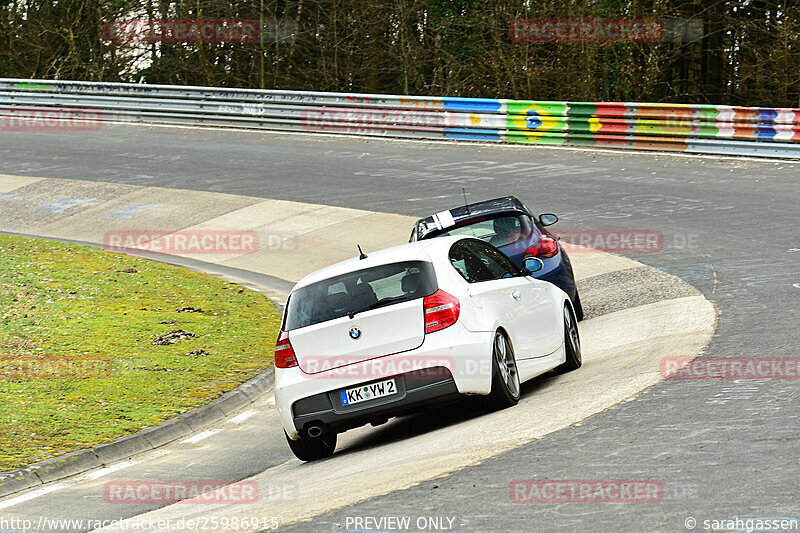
(499, 231)
(359, 291)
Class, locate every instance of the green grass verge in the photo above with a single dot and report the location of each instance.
(63, 307)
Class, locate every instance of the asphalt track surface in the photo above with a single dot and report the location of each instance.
(722, 449)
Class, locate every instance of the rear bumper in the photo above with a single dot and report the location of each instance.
(416, 391)
(464, 354)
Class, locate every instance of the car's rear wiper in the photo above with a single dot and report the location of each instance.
(375, 305)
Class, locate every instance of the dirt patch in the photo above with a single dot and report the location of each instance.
(173, 337)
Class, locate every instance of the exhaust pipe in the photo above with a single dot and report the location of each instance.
(314, 431)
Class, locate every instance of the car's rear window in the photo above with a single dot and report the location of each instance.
(499, 231)
(369, 288)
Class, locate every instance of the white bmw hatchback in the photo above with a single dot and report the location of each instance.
(382, 335)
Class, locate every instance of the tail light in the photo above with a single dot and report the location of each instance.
(546, 247)
(441, 311)
(284, 354)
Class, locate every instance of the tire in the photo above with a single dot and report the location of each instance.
(311, 449)
(576, 304)
(572, 343)
(505, 378)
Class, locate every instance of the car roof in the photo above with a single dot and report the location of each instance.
(413, 251)
(504, 204)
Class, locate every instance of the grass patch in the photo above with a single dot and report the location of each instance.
(78, 363)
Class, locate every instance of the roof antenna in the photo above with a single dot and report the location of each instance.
(466, 203)
(361, 255)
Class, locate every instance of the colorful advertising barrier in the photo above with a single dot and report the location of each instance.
(694, 128)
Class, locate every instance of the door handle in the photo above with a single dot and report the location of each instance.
(516, 294)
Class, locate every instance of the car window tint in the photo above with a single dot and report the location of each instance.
(461, 267)
(499, 231)
(468, 264)
(377, 286)
(338, 287)
(482, 229)
(495, 261)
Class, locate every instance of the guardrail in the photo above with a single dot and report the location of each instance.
(705, 129)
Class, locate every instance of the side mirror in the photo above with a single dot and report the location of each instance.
(547, 219)
(532, 265)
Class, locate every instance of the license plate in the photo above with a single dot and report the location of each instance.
(368, 392)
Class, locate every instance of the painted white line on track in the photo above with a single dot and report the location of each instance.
(238, 419)
(270, 401)
(631, 151)
(109, 469)
(31, 495)
(201, 436)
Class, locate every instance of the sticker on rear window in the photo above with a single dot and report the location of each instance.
(444, 220)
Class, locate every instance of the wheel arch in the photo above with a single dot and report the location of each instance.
(501, 329)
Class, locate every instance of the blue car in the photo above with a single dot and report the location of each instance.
(510, 226)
